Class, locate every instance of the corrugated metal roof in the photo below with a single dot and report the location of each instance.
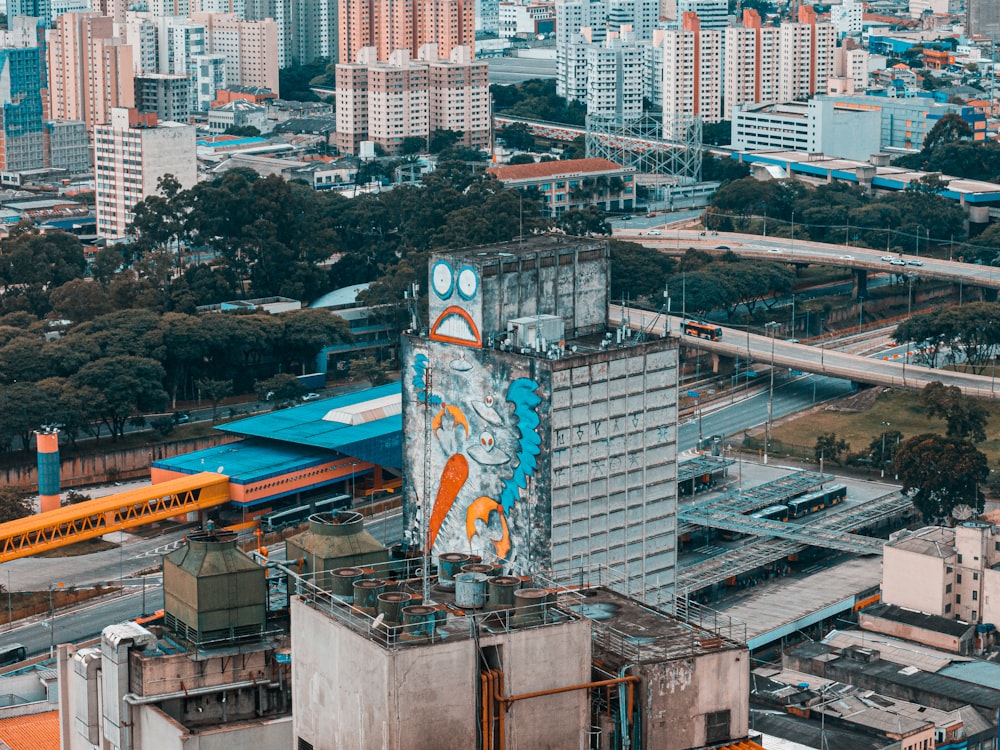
(982, 673)
(379, 442)
(31, 732)
(247, 461)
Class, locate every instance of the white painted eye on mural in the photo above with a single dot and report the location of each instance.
(489, 401)
(442, 279)
(486, 440)
(468, 282)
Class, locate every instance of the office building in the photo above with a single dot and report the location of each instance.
(536, 438)
(90, 70)
(387, 102)
(131, 153)
(40, 9)
(614, 77)
(390, 25)
(68, 146)
(22, 95)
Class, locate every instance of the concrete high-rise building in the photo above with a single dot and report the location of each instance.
(68, 146)
(390, 25)
(805, 56)
(167, 95)
(712, 14)
(692, 72)
(533, 439)
(387, 102)
(250, 48)
(40, 9)
(778, 64)
(239, 7)
(314, 30)
(846, 17)
(131, 153)
(210, 78)
(982, 18)
(614, 77)
(90, 70)
(68, 6)
(117, 9)
(22, 95)
(279, 11)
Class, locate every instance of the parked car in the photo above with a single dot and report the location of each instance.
(898, 262)
(888, 258)
(654, 233)
(311, 397)
(914, 262)
(181, 417)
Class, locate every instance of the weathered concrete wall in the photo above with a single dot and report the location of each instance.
(171, 673)
(155, 730)
(914, 581)
(349, 692)
(678, 696)
(115, 463)
(614, 464)
(897, 629)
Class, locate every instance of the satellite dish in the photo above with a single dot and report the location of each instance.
(961, 512)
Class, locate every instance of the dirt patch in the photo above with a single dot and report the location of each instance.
(861, 401)
(86, 547)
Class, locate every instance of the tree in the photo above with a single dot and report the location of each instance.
(413, 144)
(215, 391)
(830, 447)
(518, 136)
(15, 503)
(243, 131)
(941, 473)
(882, 449)
(120, 387)
(367, 368)
(80, 300)
(966, 418)
(305, 333)
(442, 139)
(521, 159)
(948, 129)
(281, 387)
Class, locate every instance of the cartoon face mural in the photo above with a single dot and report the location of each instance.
(455, 303)
(481, 435)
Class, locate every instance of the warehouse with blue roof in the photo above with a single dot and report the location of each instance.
(350, 443)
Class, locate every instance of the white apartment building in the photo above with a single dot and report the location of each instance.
(850, 71)
(251, 48)
(210, 76)
(387, 102)
(692, 73)
(751, 63)
(131, 153)
(950, 572)
(846, 17)
(805, 56)
(712, 14)
(937, 7)
(524, 20)
(614, 73)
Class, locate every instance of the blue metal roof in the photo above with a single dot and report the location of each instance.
(982, 673)
(379, 442)
(247, 461)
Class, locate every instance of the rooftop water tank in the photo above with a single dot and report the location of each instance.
(335, 540)
(213, 594)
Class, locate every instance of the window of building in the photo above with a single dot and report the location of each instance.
(947, 588)
(975, 595)
(958, 598)
(975, 576)
(960, 559)
(947, 608)
(717, 726)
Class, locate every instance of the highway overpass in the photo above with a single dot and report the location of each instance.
(816, 359)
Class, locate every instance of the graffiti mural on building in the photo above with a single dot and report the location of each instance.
(477, 436)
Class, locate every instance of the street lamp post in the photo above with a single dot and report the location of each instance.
(52, 619)
(793, 225)
(861, 312)
(882, 456)
(916, 240)
(772, 326)
(353, 464)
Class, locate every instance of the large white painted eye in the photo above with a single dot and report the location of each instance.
(486, 440)
(468, 282)
(442, 279)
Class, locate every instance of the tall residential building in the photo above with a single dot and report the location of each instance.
(982, 18)
(387, 102)
(846, 17)
(116, 9)
(692, 73)
(712, 14)
(786, 63)
(40, 9)
(805, 56)
(279, 11)
(314, 30)
(22, 95)
(131, 153)
(390, 25)
(850, 71)
(210, 78)
(530, 442)
(166, 95)
(239, 7)
(614, 77)
(90, 70)
(250, 48)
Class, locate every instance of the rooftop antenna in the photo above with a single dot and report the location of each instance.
(412, 295)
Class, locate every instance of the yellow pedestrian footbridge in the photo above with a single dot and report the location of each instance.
(125, 510)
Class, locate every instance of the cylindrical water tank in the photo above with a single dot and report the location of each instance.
(531, 606)
(487, 568)
(449, 565)
(419, 621)
(342, 581)
(501, 591)
(391, 603)
(470, 590)
(366, 593)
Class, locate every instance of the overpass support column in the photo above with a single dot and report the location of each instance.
(723, 364)
(860, 286)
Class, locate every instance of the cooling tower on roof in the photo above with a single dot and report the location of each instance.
(213, 594)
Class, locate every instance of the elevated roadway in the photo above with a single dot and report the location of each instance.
(93, 518)
(802, 357)
(785, 250)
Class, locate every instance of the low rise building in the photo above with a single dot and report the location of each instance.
(237, 114)
(574, 183)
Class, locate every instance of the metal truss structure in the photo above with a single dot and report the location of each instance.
(672, 149)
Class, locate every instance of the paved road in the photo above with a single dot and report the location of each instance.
(781, 249)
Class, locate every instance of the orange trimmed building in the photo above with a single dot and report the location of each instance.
(574, 183)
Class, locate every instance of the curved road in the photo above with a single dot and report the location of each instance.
(783, 249)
